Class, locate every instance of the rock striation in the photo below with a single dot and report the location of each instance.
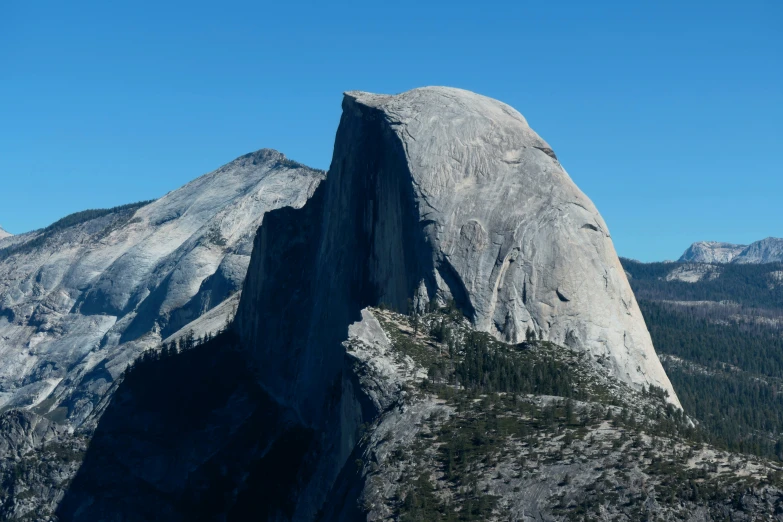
(82, 298)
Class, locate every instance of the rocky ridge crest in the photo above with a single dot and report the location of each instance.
(82, 298)
(769, 250)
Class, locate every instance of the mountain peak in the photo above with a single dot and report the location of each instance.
(265, 157)
(768, 250)
(711, 252)
(144, 269)
(4, 234)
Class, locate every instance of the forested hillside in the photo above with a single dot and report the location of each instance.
(720, 339)
(754, 286)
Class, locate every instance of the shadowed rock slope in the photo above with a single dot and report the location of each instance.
(186, 437)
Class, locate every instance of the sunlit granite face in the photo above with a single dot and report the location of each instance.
(77, 305)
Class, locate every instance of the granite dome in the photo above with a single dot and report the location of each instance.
(511, 235)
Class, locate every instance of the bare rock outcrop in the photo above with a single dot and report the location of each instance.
(711, 252)
(82, 298)
(769, 250)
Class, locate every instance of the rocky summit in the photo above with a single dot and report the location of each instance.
(4, 234)
(769, 250)
(82, 298)
(711, 252)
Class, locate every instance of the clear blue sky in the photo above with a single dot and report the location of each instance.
(668, 114)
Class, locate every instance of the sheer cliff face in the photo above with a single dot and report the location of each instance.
(437, 194)
(357, 242)
(80, 300)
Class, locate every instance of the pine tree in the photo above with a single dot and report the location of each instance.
(530, 335)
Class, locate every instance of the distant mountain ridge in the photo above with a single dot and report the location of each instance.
(711, 252)
(769, 250)
(86, 295)
(4, 234)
